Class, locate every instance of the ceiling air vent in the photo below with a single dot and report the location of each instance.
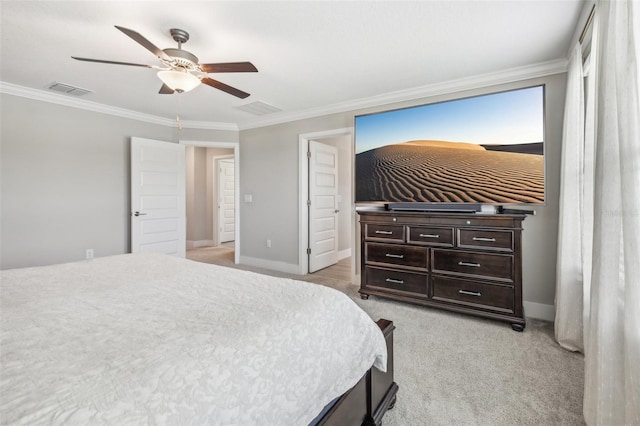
(69, 90)
(258, 108)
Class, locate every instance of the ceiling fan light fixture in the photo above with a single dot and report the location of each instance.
(180, 81)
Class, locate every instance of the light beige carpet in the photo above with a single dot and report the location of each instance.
(455, 369)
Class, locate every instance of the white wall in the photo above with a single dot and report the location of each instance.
(270, 172)
(65, 180)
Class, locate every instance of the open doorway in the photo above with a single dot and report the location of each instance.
(342, 141)
(213, 225)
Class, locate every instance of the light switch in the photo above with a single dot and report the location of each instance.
(248, 198)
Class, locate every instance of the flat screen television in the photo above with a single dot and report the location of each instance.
(486, 149)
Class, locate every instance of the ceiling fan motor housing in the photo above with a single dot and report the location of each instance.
(183, 59)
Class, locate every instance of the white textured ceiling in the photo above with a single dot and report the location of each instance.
(309, 54)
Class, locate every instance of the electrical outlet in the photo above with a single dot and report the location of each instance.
(89, 254)
(268, 243)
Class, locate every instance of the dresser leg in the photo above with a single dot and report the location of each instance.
(517, 327)
(392, 403)
(364, 296)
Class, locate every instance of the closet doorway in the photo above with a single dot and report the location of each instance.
(342, 140)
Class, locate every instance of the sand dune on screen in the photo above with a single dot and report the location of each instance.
(443, 144)
(440, 171)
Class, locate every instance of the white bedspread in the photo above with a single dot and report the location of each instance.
(152, 339)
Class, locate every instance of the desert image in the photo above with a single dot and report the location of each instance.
(453, 172)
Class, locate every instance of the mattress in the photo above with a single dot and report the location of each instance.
(153, 339)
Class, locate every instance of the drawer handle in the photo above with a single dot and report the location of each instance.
(489, 240)
(391, 280)
(429, 236)
(475, 265)
(384, 232)
(397, 256)
(470, 293)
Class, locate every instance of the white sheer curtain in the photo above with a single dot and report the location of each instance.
(612, 327)
(569, 269)
(598, 268)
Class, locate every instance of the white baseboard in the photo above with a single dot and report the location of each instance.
(270, 264)
(539, 311)
(343, 254)
(200, 243)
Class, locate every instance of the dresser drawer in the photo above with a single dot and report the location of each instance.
(397, 281)
(498, 298)
(482, 265)
(397, 255)
(430, 236)
(485, 239)
(378, 231)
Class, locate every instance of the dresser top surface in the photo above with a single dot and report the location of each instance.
(440, 218)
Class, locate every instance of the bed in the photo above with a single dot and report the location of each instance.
(153, 339)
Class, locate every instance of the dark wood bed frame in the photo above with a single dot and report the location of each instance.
(366, 403)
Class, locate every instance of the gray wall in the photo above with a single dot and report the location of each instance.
(65, 183)
(64, 178)
(196, 194)
(269, 171)
(269, 167)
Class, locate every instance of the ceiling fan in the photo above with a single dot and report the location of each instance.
(182, 71)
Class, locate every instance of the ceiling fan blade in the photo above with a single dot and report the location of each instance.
(225, 88)
(145, 43)
(166, 90)
(102, 61)
(229, 67)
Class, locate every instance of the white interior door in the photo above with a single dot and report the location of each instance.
(226, 200)
(323, 211)
(158, 205)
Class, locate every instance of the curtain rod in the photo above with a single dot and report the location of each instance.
(587, 24)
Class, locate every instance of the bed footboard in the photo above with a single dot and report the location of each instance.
(382, 389)
(366, 403)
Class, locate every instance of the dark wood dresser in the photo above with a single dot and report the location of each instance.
(469, 263)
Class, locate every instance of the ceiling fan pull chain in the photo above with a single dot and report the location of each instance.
(178, 113)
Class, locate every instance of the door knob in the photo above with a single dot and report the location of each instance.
(139, 214)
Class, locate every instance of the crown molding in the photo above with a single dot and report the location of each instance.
(55, 98)
(207, 125)
(484, 80)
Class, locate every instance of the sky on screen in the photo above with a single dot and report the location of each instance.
(507, 118)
